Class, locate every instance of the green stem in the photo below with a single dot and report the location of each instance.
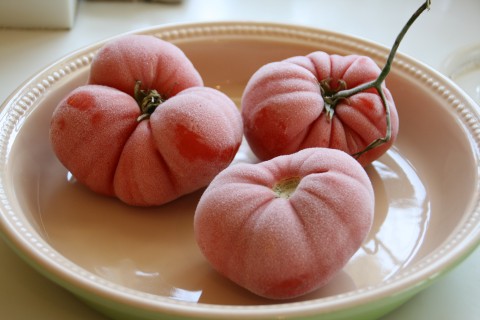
(377, 83)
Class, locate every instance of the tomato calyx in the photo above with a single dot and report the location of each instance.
(148, 100)
(328, 93)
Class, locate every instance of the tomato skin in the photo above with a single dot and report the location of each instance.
(158, 64)
(88, 130)
(284, 247)
(284, 111)
(95, 134)
(163, 162)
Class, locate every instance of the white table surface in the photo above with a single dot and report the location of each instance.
(449, 26)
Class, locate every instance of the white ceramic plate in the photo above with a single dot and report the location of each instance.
(143, 263)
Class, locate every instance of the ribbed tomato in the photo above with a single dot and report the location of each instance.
(145, 129)
(284, 227)
(285, 107)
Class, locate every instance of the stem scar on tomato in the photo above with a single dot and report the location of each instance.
(331, 98)
(286, 187)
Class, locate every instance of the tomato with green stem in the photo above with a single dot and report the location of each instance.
(322, 100)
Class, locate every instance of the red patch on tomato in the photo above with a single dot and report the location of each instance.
(291, 285)
(97, 118)
(192, 146)
(61, 124)
(81, 101)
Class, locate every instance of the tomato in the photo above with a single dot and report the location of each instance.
(284, 227)
(284, 107)
(147, 131)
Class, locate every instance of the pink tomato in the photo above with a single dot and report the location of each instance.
(284, 227)
(148, 132)
(284, 107)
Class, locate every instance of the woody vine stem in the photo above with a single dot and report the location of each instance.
(332, 100)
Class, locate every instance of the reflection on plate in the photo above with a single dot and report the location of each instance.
(143, 262)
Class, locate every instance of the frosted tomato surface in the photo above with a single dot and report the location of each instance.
(283, 107)
(145, 129)
(186, 141)
(158, 64)
(284, 227)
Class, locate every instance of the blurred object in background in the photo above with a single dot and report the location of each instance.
(159, 1)
(463, 67)
(45, 14)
